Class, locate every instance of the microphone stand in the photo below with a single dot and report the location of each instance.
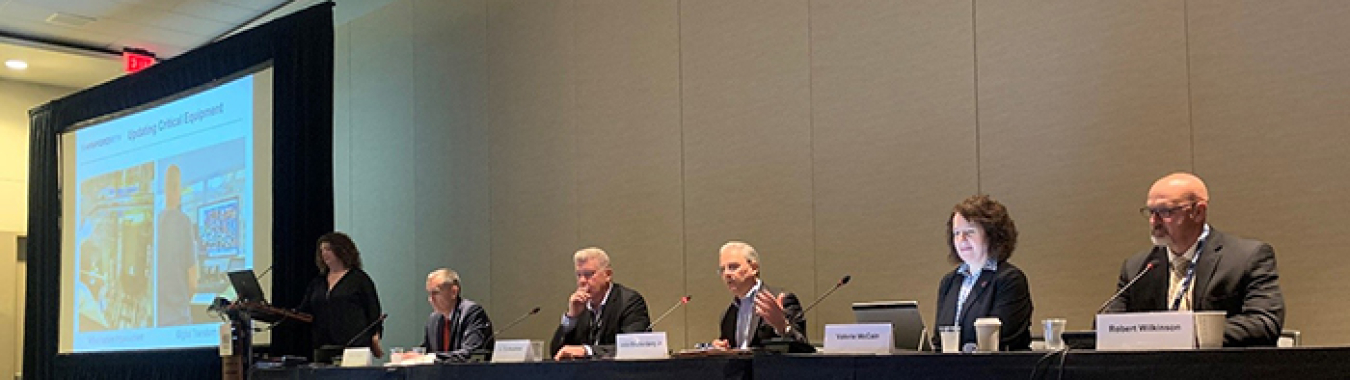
(482, 355)
(786, 345)
(683, 300)
(1127, 286)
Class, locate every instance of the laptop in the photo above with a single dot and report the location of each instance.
(906, 324)
(246, 286)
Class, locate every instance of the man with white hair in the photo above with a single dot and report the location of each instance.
(758, 312)
(598, 310)
(456, 325)
(1199, 268)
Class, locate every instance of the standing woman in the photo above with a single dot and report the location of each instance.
(981, 237)
(343, 298)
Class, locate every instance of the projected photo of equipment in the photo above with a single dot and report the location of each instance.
(219, 227)
(114, 235)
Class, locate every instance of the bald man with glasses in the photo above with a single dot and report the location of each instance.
(1196, 267)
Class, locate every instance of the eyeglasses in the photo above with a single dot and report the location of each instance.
(1164, 212)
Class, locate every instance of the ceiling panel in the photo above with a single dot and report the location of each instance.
(163, 5)
(166, 27)
(177, 22)
(234, 15)
(255, 5)
(59, 69)
(82, 37)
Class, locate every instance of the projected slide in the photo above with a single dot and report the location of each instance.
(165, 202)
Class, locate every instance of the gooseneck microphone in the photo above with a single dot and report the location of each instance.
(1149, 266)
(513, 323)
(783, 345)
(683, 300)
(840, 284)
(366, 330)
(265, 272)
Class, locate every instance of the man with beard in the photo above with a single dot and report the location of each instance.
(1202, 268)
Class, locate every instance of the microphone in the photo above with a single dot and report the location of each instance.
(326, 353)
(367, 329)
(484, 354)
(783, 345)
(840, 284)
(683, 300)
(265, 272)
(513, 323)
(1149, 266)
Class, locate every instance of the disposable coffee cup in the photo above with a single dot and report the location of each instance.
(1054, 333)
(951, 338)
(1209, 326)
(987, 334)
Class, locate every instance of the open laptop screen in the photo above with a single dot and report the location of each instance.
(246, 285)
(906, 323)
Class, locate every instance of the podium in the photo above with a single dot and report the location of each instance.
(236, 348)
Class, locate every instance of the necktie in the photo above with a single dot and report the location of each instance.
(445, 337)
(1179, 266)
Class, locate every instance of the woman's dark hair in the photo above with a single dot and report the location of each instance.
(343, 247)
(1000, 233)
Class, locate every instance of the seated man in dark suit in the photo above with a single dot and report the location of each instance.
(456, 325)
(758, 312)
(1202, 268)
(598, 311)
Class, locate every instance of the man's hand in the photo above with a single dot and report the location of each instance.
(770, 309)
(721, 344)
(570, 352)
(375, 347)
(577, 302)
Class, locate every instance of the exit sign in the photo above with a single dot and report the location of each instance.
(133, 61)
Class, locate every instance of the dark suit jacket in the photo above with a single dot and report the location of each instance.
(471, 325)
(1001, 293)
(624, 312)
(792, 308)
(1232, 274)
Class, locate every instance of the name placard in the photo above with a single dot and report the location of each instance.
(517, 351)
(1146, 331)
(650, 345)
(226, 340)
(356, 357)
(864, 338)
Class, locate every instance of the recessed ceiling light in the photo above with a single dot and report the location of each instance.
(16, 64)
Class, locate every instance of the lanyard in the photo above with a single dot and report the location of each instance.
(1190, 276)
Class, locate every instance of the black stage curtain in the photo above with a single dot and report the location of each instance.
(300, 48)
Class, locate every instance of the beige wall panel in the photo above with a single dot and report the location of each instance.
(531, 108)
(1271, 84)
(1082, 104)
(894, 109)
(11, 306)
(20, 287)
(747, 145)
(453, 216)
(628, 147)
(382, 176)
(16, 98)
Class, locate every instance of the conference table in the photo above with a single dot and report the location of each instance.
(1252, 363)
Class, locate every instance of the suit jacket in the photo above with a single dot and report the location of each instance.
(471, 327)
(792, 309)
(624, 312)
(1232, 274)
(1002, 293)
